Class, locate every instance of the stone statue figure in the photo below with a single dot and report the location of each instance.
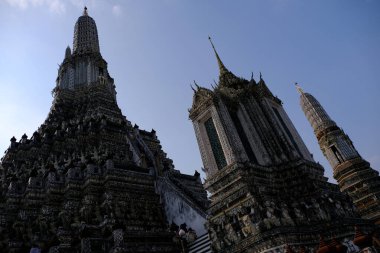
(107, 205)
(65, 218)
(215, 242)
(286, 219)
(248, 228)
(231, 237)
(299, 216)
(339, 209)
(43, 225)
(349, 209)
(86, 212)
(271, 220)
(321, 214)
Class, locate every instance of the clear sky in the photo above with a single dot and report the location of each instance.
(155, 49)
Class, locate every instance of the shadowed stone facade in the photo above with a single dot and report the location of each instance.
(89, 181)
(267, 193)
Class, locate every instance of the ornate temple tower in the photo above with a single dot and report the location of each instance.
(353, 173)
(266, 190)
(85, 65)
(89, 181)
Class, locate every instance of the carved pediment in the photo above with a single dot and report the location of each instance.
(202, 96)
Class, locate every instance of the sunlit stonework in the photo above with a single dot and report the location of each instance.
(354, 175)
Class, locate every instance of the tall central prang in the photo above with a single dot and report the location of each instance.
(85, 65)
(89, 181)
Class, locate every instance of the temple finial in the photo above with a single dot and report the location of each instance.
(85, 13)
(222, 68)
(196, 85)
(299, 89)
(191, 86)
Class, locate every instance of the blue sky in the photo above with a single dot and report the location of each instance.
(155, 49)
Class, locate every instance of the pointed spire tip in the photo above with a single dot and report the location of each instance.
(212, 44)
(222, 68)
(299, 89)
(191, 86)
(196, 85)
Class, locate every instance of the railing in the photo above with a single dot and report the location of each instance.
(201, 245)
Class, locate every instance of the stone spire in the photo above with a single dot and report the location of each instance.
(226, 77)
(263, 89)
(67, 52)
(315, 113)
(85, 35)
(84, 160)
(84, 65)
(299, 89)
(222, 68)
(353, 174)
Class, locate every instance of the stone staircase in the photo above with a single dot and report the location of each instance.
(201, 245)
